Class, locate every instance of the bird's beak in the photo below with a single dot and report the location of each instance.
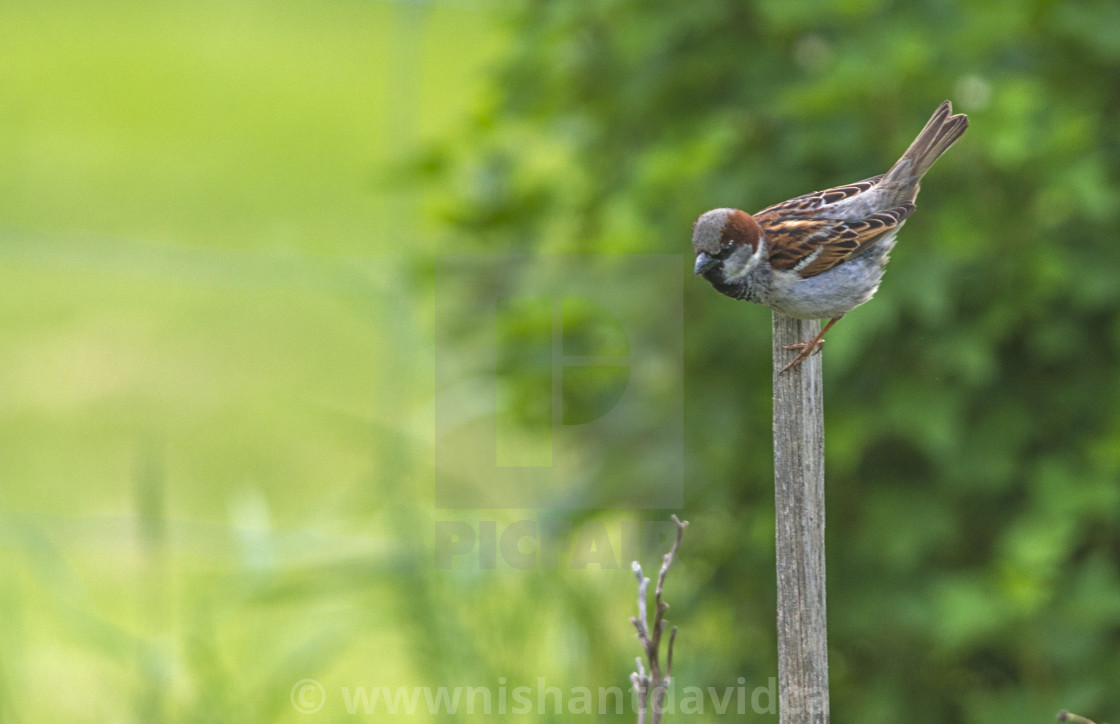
(703, 263)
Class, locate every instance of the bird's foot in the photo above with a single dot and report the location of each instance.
(807, 350)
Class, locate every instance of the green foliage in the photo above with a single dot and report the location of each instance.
(210, 476)
(974, 542)
(217, 321)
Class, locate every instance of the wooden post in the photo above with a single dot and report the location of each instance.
(799, 506)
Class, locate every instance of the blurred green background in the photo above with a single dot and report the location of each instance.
(219, 227)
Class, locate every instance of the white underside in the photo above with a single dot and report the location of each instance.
(832, 293)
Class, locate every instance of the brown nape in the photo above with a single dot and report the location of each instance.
(741, 228)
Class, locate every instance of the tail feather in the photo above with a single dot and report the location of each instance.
(942, 130)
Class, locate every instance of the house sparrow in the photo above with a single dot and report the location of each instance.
(820, 255)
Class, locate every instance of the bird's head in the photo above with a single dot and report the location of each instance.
(725, 242)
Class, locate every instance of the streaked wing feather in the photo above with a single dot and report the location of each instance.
(815, 245)
(818, 199)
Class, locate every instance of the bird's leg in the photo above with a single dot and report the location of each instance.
(808, 348)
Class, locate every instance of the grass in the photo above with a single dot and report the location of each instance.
(213, 418)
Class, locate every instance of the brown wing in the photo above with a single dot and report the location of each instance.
(814, 245)
(818, 199)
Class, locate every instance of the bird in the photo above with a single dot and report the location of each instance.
(822, 254)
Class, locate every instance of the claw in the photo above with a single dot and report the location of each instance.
(808, 348)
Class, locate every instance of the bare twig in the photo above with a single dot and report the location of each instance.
(1064, 715)
(650, 637)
